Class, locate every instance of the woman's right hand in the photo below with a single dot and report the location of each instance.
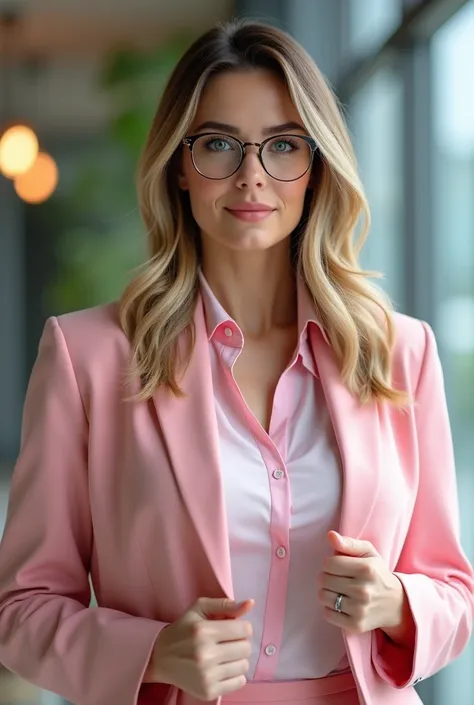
(206, 652)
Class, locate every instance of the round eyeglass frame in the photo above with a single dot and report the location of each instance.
(191, 139)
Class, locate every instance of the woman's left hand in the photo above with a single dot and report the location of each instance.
(374, 597)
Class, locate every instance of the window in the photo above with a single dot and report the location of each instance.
(453, 204)
(377, 126)
(371, 22)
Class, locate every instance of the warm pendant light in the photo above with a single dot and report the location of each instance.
(18, 151)
(34, 173)
(39, 182)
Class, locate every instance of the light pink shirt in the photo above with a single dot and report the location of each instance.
(282, 493)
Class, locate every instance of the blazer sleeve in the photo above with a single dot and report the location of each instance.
(435, 573)
(48, 633)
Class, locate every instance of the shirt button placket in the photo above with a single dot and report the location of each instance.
(276, 596)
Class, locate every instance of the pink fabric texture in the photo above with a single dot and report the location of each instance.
(334, 690)
(131, 493)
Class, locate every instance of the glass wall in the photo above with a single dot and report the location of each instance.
(453, 204)
(453, 235)
(411, 112)
(376, 118)
(371, 22)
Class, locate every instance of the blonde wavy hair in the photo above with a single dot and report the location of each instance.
(157, 307)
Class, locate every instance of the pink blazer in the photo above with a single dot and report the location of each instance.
(131, 494)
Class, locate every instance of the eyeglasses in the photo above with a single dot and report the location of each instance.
(218, 156)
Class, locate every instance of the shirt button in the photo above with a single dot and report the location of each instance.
(228, 332)
(278, 474)
(270, 650)
(281, 552)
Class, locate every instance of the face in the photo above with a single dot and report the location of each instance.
(250, 103)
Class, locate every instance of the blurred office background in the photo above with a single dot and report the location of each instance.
(86, 76)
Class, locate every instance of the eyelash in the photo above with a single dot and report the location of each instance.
(287, 140)
(210, 140)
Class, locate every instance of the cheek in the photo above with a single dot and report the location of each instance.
(201, 190)
(293, 196)
(203, 195)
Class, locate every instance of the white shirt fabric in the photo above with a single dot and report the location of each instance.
(282, 494)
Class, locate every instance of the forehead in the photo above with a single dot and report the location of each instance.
(246, 98)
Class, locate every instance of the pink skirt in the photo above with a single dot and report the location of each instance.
(332, 690)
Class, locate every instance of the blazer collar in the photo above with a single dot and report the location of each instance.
(189, 430)
(359, 430)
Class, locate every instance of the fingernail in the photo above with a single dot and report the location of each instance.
(241, 604)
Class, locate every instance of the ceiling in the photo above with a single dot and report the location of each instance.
(91, 27)
(72, 38)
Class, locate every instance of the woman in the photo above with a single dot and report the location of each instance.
(273, 398)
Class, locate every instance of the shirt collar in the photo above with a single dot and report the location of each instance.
(216, 315)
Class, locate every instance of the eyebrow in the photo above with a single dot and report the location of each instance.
(231, 129)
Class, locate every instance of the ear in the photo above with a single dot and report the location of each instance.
(182, 178)
(183, 181)
(315, 176)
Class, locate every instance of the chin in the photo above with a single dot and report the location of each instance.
(256, 241)
(250, 238)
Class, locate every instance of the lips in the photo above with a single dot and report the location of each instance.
(250, 215)
(250, 207)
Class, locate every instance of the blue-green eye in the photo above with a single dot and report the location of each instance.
(218, 145)
(283, 146)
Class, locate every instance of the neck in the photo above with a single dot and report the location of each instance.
(257, 289)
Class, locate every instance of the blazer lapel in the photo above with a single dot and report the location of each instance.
(190, 433)
(357, 431)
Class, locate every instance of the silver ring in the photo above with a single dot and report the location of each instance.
(338, 603)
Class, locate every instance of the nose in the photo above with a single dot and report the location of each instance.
(251, 172)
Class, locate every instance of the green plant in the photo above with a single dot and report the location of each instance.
(103, 239)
